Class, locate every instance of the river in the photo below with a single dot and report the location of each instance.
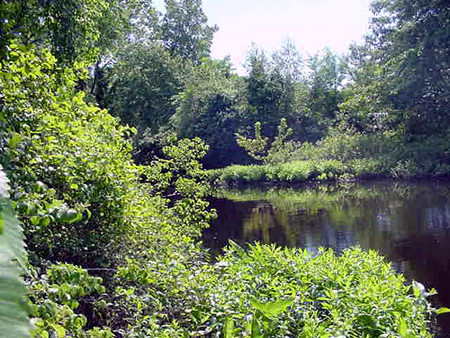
(406, 222)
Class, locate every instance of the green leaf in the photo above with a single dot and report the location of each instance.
(60, 330)
(45, 221)
(442, 310)
(34, 220)
(70, 216)
(255, 328)
(14, 140)
(402, 327)
(271, 308)
(228, 328)
(237, 248)
(13, 316)
(418, 288)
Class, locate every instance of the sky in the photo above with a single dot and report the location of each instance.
(311, 24)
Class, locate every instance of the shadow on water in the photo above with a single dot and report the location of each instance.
(408, 223)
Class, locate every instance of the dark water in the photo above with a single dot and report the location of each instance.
(408, 223)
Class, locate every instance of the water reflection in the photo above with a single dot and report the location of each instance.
(408, 223)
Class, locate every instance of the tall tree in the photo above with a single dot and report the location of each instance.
(139, 89)
(212, 106)
(264, 90)
(276, 89)
(327, 73)
(366, 105)
(185, 31)
(73, 29)
(413, 43)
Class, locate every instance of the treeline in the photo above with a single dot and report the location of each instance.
(154, 72)
(162, 82)
(162, 93)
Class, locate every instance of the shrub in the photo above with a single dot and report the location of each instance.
(55, 298)
(345, 145)
(82, 199)
(367, 168)
(69, 163)
(355, 294)
(279, 149)
(287, 293)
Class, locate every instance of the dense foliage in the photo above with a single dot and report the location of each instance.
(79, 196)
(271, 292)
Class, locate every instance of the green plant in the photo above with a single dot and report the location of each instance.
(13, 314)
(55, 298)
(267, 291)
(82, 200)
(356, 294)
(262, 315)
(69, 191)
(295, 171)
(278, 151)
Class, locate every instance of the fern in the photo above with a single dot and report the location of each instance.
(13, 316)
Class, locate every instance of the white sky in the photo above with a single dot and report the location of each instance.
(310, 24)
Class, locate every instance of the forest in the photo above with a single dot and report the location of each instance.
(116, 123)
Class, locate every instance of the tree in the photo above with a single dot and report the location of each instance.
(272, 86)
(327, 73)
(276, 89)
(139, 89)
(212, 106)
(294, 104)
(141, 85)
(289, 62)
(264, 90)
(287, 66)
(412, 40)
(72, 29)
(184, 30)
(365, 105)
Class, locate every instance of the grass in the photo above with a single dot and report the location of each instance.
(296, 171)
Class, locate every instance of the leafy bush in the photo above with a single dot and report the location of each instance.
(279, 149)
(355, 294)
(272, 292)
(347, 152)
(346, 145)
(68, 161)
(367, 168)
(55, 298)
(81, 198)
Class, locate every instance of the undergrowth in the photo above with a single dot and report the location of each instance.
(87, 209)
(267, 291)
(346, 154)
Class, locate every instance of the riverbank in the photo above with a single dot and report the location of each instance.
(292, 172)
(345, 157)
(306, 173)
